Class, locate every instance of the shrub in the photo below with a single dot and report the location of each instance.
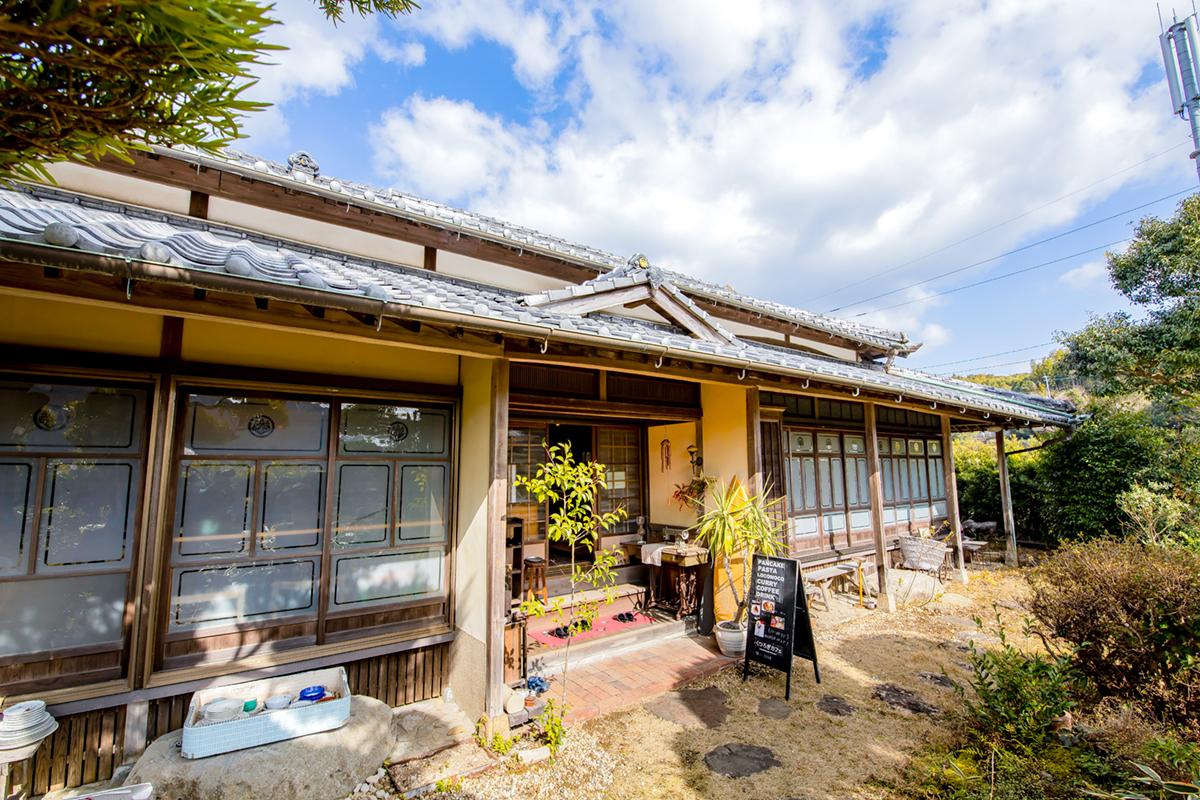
(1153, 515)
(1083, 476)
(979, 482)
(1132, 614)
(1019, 697)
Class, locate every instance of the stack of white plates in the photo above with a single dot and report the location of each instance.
(25, 723)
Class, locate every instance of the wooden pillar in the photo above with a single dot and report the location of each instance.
(882, 564)
(754, 446)
(1010, 528)
(137, 718)
(951, 483)
(497, 505)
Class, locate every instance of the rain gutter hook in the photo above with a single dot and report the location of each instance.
(658, 364)
(545, 345)
(742, 377)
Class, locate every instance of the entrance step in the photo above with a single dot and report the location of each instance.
(626, 573)
(550, 662)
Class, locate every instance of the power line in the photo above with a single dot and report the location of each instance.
(993, 278)
(989, 355)
(998, 224)
(979, 370)
(1029, 246)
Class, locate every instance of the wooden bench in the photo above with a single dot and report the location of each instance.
(817, 582)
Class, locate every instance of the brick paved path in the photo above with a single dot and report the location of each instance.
(599, 687)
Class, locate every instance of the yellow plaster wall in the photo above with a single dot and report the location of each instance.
(726, 456)
(56, 323)
(663, 510)
(252, 346)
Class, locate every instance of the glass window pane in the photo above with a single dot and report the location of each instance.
(803, 526)
(826, 486)
(864, 489)
(898, 447)
(852, 496)
(856, 445)
(937, 477)
(41, 616)
(375, 428)
(828, 443)
(799, 442)
(62, 417)
(87, 514)
(916, 447)
(834, 523)
(860, 520)
(384, 579)
(293, 506)
(363, 504)
(218, 596)
(902, 473)
(839, 484)
(810, 484)
(889, 477)
(214, 508)
(16, 500)
(795, 487)
(255, 425)
(422, 503)
(935, 447)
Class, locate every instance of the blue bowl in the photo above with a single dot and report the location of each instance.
(313, 693)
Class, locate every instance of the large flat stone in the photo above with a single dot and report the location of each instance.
(691, 708)
(736, 760)
(321, 766)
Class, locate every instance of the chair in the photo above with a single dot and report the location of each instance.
(535, 578)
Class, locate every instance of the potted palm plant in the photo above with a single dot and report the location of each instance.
(735, 524)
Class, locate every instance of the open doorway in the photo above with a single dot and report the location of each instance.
(580, 438)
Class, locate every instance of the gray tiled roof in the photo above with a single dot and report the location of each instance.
(52, 217)
(303, 171)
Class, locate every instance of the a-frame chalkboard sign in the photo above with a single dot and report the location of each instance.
(778, 624)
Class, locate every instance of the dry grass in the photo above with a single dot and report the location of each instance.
(822, 756)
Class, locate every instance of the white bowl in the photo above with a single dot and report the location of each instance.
(221, 710)
(278, 701)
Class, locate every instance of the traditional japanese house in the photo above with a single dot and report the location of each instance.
(256, 420)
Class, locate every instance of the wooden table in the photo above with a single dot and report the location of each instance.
(681, 567)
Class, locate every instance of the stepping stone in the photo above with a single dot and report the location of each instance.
(900, 698)
(774, 708)
(691, 708)
(740, 760)
(937, 679)
(835, 706)
(958, 622)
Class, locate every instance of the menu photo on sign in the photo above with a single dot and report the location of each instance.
(777, 614)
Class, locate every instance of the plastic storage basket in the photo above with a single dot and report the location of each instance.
(201, 739)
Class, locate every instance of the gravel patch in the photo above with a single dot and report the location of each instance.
(583, 770)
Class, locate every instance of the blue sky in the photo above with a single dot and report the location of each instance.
(787, 149)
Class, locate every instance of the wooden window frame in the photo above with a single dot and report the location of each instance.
(121, 675)
(323, 639)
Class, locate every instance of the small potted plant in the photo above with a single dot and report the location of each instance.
(737, 524)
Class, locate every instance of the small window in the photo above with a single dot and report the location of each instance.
(935, 447)
(855, 445)
(916, 447)
(898, 447)
(799, 442)
(828, 443)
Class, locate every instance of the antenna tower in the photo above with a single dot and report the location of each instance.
(1181, 54)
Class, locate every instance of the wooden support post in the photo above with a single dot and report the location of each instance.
(882, 565)
(1010, 528)
(951, 483)
(137, 719)
(497, 506)
(753, 443)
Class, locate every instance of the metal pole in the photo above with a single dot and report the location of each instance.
(1187, 78)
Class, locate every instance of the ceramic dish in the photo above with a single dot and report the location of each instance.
(221, 710)
(279, 701)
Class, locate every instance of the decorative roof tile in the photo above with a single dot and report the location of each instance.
(54, 218)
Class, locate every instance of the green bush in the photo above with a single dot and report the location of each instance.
(1019, 697)
(1132, 614)
(1083, 476)
(979, 482)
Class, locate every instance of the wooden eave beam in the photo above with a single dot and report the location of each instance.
(293, 199)
(178, 299)
(727, 312)
(685, 317)
(597, 301)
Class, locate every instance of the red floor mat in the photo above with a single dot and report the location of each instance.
(604, 626)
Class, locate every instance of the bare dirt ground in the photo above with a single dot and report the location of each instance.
(824, 756)
(636, 755)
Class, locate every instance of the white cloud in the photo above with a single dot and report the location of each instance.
(320, 59)
(1086, 276)
(740, 142)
